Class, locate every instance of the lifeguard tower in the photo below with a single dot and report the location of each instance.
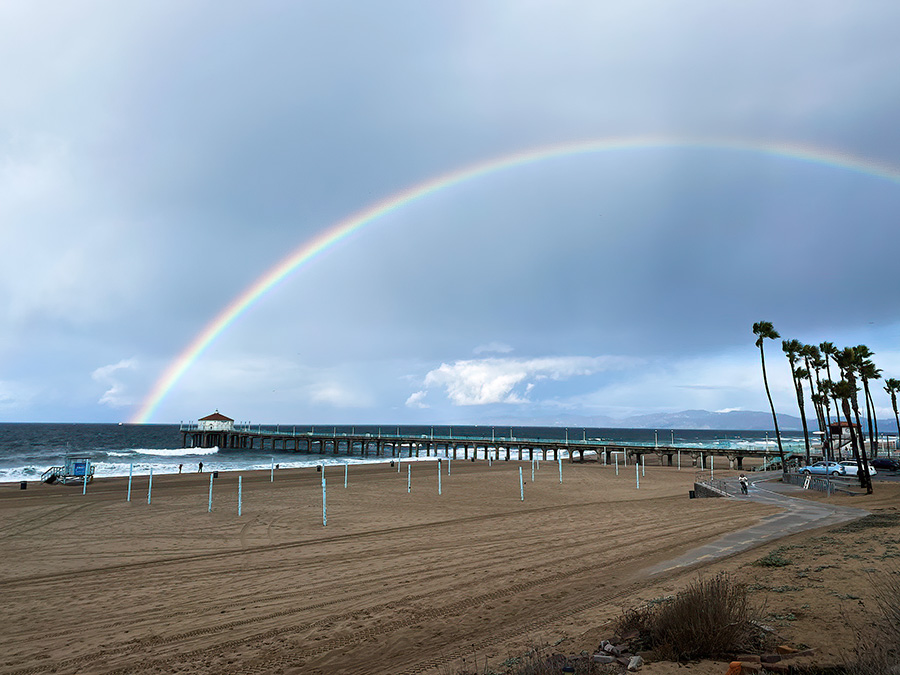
(212, 431)
(840, 439)
(73, 472)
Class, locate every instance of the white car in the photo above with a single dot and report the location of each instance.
(850, 468)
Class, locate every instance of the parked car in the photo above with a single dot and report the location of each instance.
(886, 463)
(851, 469)
(823, 468)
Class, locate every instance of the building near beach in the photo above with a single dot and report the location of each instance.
(215, 422)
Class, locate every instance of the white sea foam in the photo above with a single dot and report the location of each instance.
(175, 452)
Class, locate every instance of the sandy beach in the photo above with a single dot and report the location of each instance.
(396, 583)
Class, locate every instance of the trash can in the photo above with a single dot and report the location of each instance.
(215, 474)
(23, 485)
(692, 494)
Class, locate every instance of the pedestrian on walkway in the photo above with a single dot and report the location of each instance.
(745, 483)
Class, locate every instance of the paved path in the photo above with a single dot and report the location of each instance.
(797, 515)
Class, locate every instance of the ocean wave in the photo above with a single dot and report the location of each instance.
(175, 452)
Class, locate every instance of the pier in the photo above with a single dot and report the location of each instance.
(498, 448)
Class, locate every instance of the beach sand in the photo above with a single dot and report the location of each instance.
(396, 583)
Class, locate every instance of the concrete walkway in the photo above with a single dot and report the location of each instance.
(797, 515)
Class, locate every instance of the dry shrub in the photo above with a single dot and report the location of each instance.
(711, 618)
(878, 650)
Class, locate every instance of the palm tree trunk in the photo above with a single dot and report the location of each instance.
(874, 420)
(862, 461)
(762, 356)
(896, 416)
(799, 387)
(845, 405)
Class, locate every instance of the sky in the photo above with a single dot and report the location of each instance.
(157, 159)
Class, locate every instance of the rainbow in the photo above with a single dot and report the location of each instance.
(343, 229)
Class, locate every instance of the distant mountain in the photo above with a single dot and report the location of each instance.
(704, 419)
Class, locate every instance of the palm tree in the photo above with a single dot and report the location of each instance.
(867, 372)
(892, 387)
(814, 365)
(847, 360)
(793, 349)
(827, 397)
(829, 351)
(764, 330)
(845, 390)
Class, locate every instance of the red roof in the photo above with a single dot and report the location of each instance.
(216, 417)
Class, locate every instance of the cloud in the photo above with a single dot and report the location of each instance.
(338, 395)
(116, 393)
(416, 400)
(493, 348)
(507, 380)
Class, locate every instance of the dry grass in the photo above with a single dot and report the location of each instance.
(878, 649)
(539, 660)
(711, 618)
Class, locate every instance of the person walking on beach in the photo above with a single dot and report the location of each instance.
(744, 481)
(180, 466)
(200, 469)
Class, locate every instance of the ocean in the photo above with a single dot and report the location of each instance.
(29, 449)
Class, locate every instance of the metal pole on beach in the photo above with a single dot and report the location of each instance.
(272, 477)
(324, 512)
(637, 475)
(521, 486)
(239, 496)
(679, 460)
(84, 487)
(617, 464)
(150, 485)
(532, 471)
(346, 469)
(439, 478)
(643, 465)
(559, 460)
(130, 471)
(209, 506)
(408, 478)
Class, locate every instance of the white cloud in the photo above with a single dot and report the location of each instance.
(507, 380)
(417, 400)
(493, 348)
(338, 395)
(116, 394)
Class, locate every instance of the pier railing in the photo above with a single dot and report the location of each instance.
(495, 438)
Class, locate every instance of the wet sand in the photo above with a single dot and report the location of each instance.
(396, 583)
